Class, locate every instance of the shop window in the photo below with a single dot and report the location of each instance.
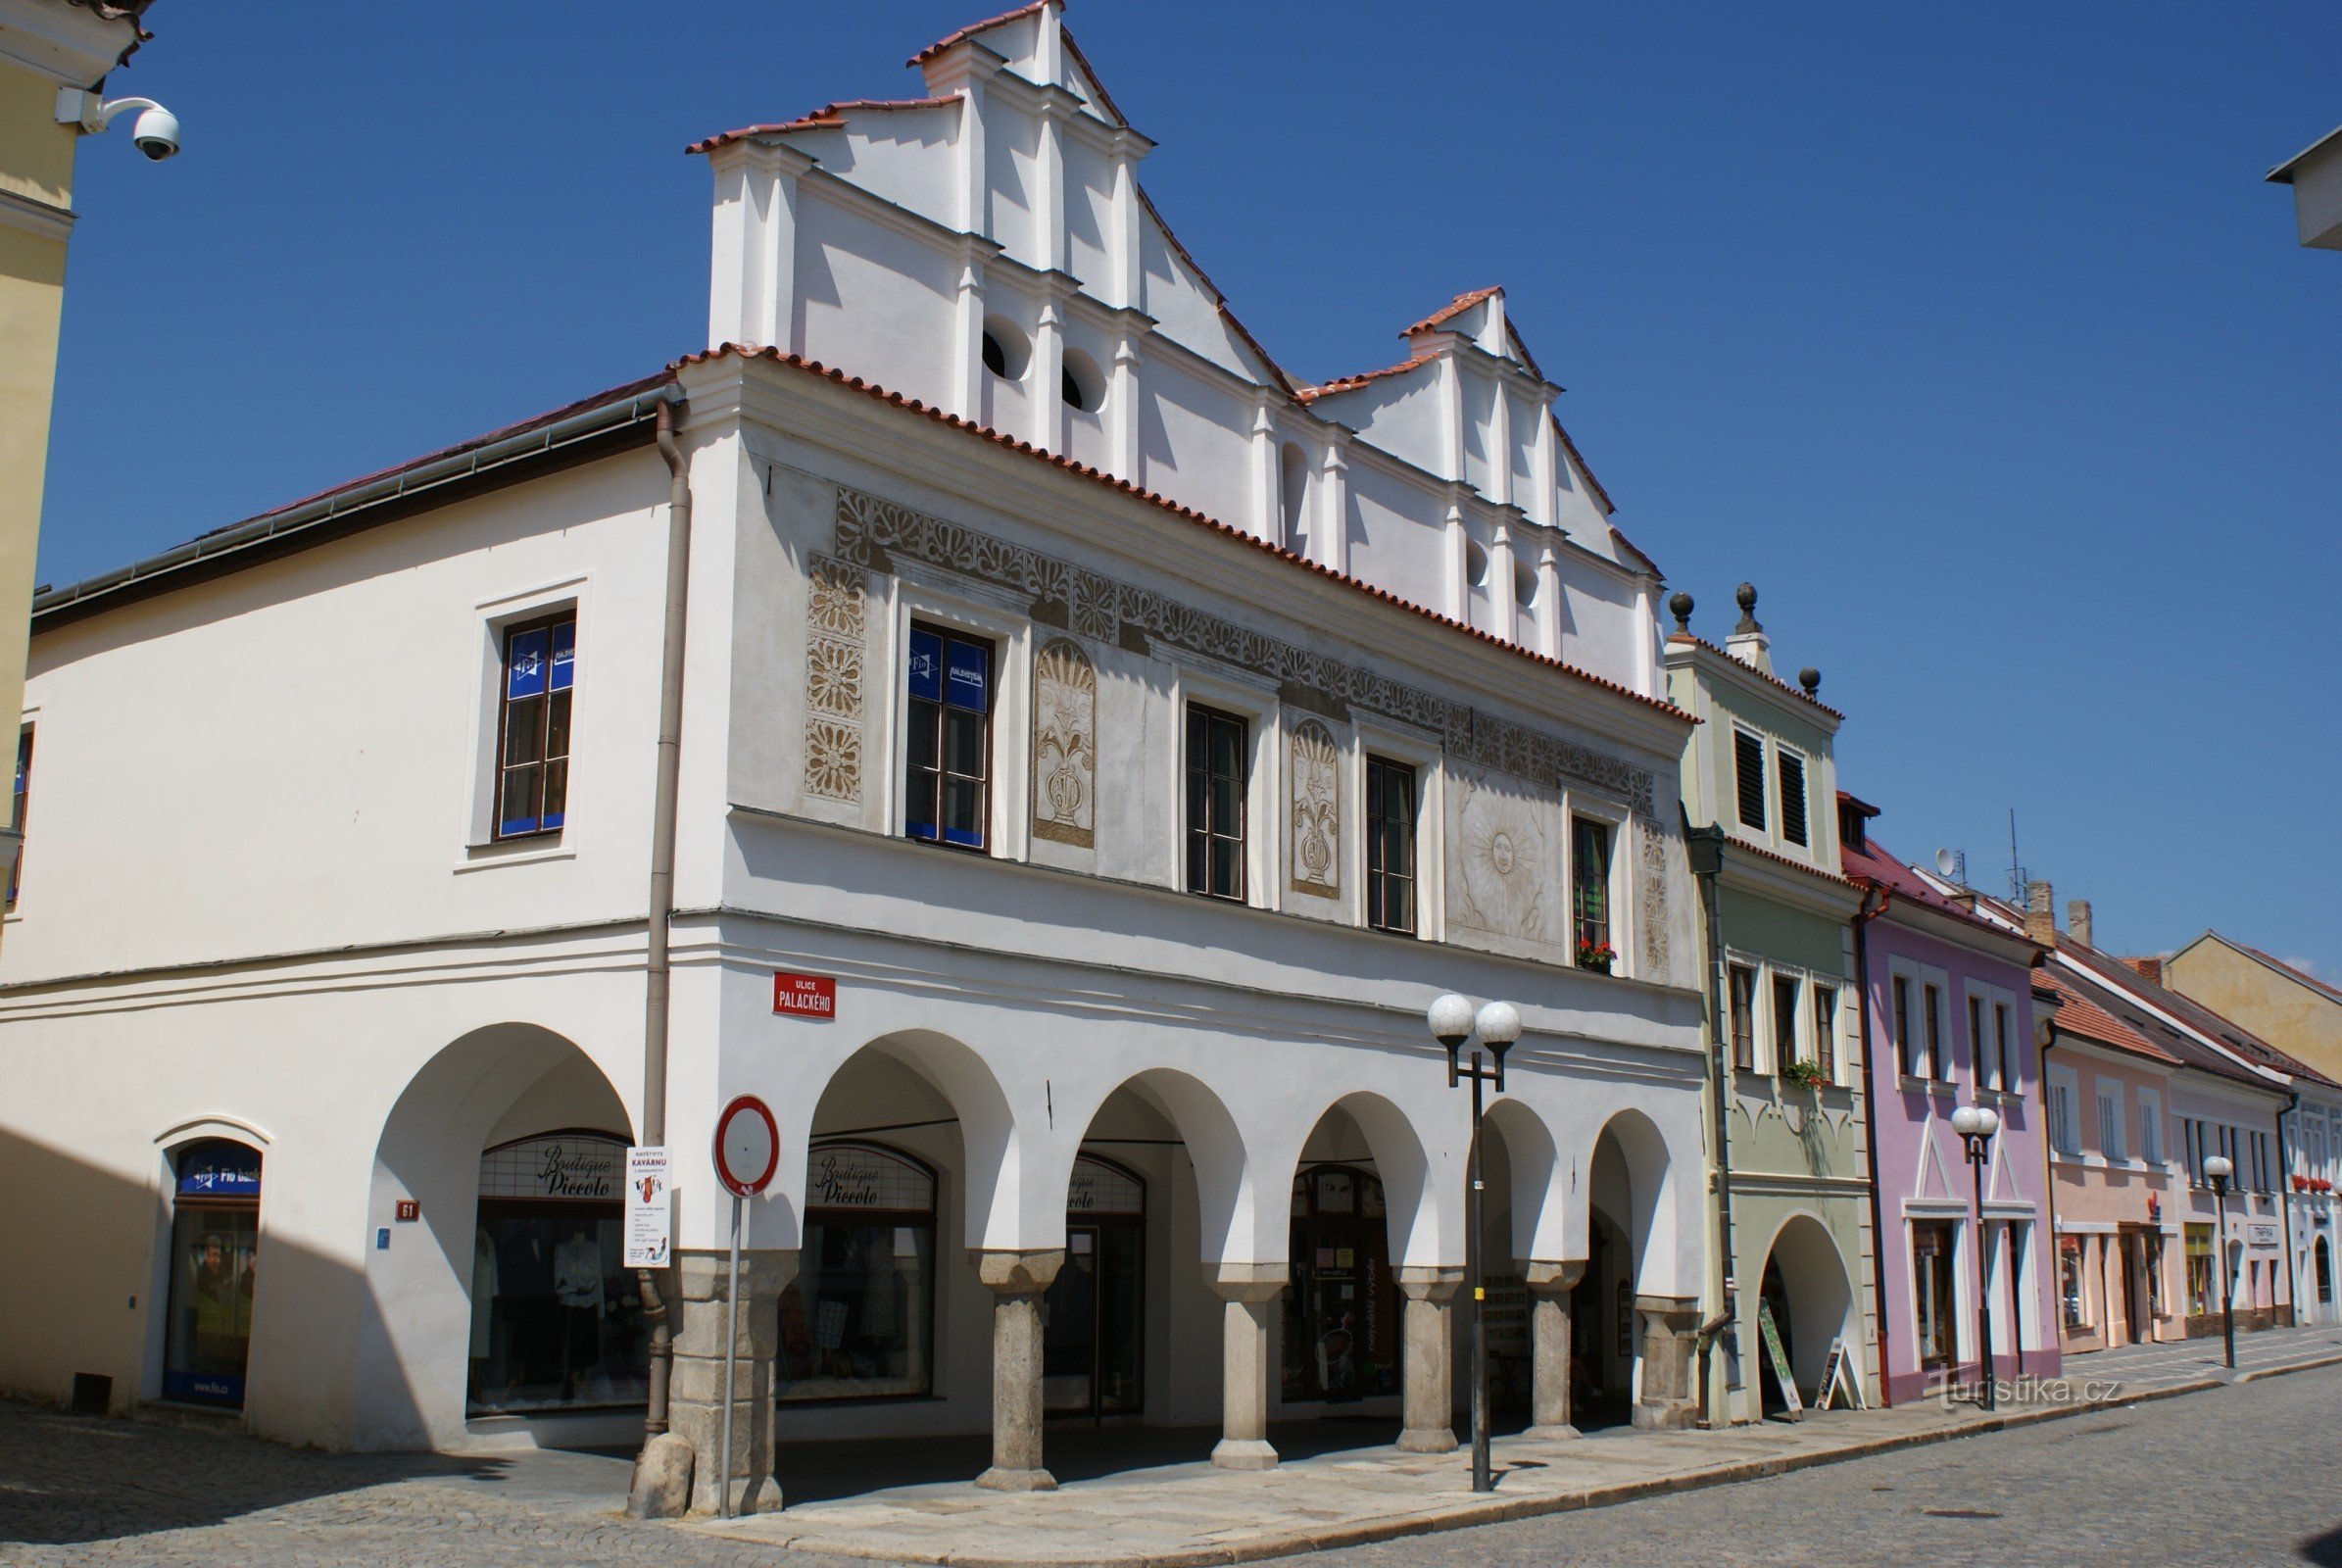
(948, 774)
(1217, 772)
(1093, 1343)
(2073, 1307)
(858, 1320)
(532, 774)
(1389, 846)
(215, 1236)
(1341, 1313)
(1932, 1243)
(556, 1322)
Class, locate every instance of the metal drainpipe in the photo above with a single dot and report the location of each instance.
(655, 968)
(1710, 847)
(2293, 1102)
(1862, 918)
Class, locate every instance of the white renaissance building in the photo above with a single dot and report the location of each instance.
(1063, 756)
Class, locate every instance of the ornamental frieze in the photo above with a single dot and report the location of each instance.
(872, 531)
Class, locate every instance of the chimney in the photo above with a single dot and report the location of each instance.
(1748, 642)
(2148, 969)
(2078, 921)
(2039, 924)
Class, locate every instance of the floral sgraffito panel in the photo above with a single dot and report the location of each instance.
(1065, 745)
(1316, 825)
(1503, 862)
(837, 621)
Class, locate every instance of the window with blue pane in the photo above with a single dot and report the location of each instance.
(15, 809)
(539, 677)
(948, 770)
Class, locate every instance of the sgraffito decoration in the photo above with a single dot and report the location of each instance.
(837, 616)
(1316, 825)
(1065, 745)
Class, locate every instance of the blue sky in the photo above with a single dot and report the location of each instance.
(1970, 334)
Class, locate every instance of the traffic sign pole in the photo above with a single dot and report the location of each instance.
(731, 1351)
(747, 1149)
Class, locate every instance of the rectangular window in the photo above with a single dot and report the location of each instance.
(1785, 1021)
(1932, 997)
(1826, 1031)
(1217, 757)
(2201, 1301)
(1792, 796)
(16, 809)
(2191, 1154)
(1390, 847)
(2110, 1124)
(2060, 1119)
(532, 773)
(1903, 1041)
(2004, 1074)
(2150, 1127)
(1976, 1039)
(1743, 1004)
(1589, 892)
(947, 773)
(1748, 757)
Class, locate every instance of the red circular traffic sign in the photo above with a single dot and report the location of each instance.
(747, 1146)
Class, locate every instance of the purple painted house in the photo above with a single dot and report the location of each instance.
(1948, 1009)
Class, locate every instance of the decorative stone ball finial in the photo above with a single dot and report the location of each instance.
(1810, 678)
(1678, 604)
(1745, 596)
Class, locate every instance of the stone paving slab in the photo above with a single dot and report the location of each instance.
(1174, 1516)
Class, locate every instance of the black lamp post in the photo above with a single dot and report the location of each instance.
(1975, 1125)
(2219, 1167)
(1452, 1022)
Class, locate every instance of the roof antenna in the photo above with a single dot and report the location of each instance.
(2015, 871)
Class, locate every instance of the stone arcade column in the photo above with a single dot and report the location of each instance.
(1669, 1399)
(1550, 1287)
(1427, 1355)
(1017, 1281)
(1250, 1292)
(695, 1389)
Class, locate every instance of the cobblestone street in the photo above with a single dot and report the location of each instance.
(2233, 1477)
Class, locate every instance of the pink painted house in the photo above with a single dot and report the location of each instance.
(1948, 1020)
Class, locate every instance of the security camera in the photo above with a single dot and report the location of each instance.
(156, 132)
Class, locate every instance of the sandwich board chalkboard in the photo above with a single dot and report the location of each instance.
(1779, 1360)
(1836, 1369)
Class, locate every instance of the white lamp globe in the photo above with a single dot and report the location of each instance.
(1968, 1121)
(2219, 1167)
(1450, 1019)
(1499, 1023)
(1987, 1120)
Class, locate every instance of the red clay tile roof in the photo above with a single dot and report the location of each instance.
(1764, 853)
(827, 117)
(2231, 1040)
(2077, 1014)
(1190, 515)
(970, 30)
(1873, 864)
(1453, 307)
(1694, 639)
(1346, 383)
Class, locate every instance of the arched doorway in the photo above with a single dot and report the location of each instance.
(1341, 1306)
(1094, 1341)
(2324, 1262)
(1628, 1223)
(1806, 1291)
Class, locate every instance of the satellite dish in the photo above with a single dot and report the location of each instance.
(1947, 863)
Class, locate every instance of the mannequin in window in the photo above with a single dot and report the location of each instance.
(578, 1288)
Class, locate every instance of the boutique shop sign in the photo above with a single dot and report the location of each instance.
(575, 1168)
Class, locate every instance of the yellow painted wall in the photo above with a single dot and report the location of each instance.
(2289, 1015)
(36, 163)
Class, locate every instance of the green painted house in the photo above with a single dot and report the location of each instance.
(1788, 1134)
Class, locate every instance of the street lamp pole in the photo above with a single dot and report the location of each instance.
(1975, 1125)
(2219, 1167)
(1453, 1023)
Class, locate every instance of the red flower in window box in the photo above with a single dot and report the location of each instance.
(2300, 1184)
(1597, 956)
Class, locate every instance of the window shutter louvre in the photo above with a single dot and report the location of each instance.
(1748, 755)
(1792, 797)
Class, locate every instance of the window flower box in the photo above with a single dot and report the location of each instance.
(1596, 955)
(1805, 1074)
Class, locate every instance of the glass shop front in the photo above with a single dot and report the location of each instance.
(215, 1238)
(1342, 1311)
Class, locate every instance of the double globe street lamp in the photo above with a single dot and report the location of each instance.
(2218, 1169)
(1498, 1024)
(1975, 1125)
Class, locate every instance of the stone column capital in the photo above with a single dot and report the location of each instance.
(1429, 1283)
(1253, 1283)
(1547, 1278)
(1012, 1272)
